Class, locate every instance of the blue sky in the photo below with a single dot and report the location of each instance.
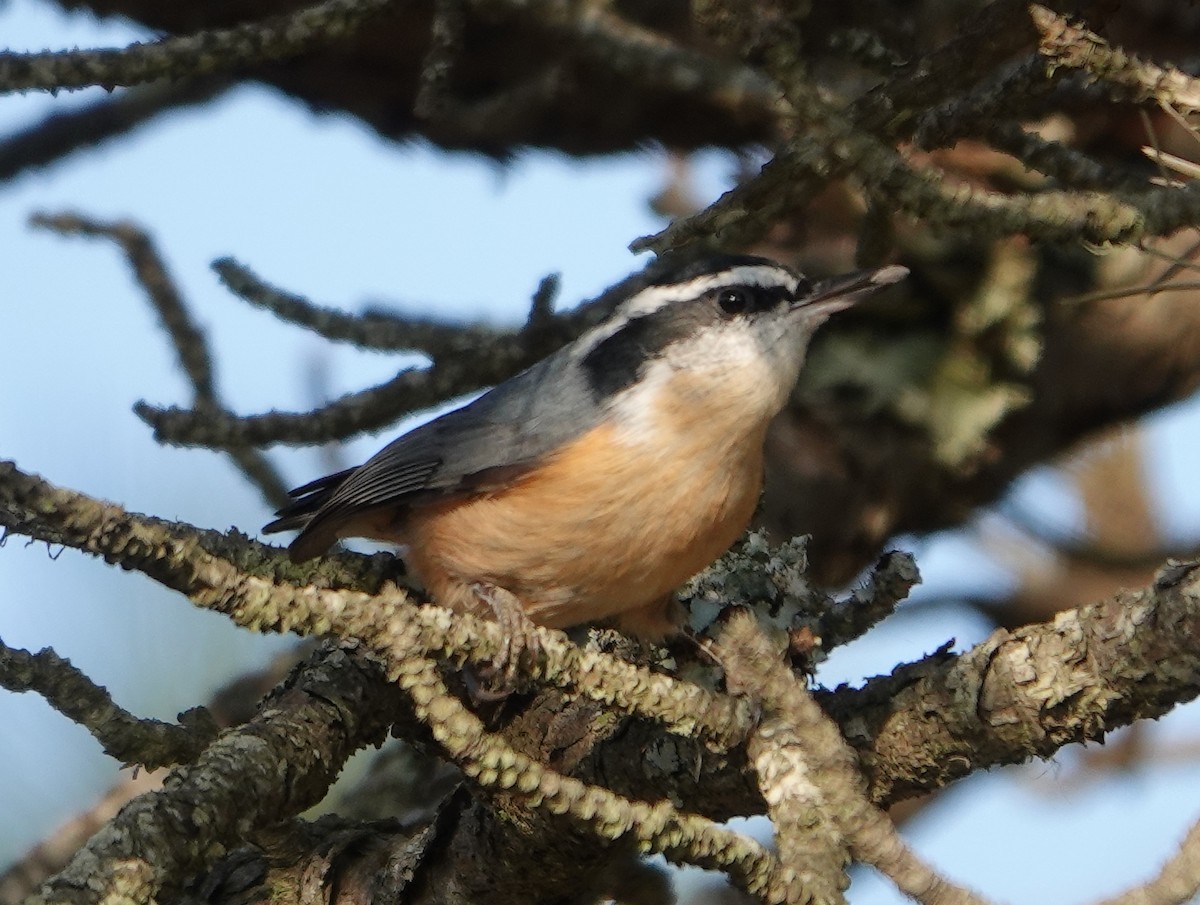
(321, 206)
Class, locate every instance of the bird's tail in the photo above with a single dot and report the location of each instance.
(307, 500)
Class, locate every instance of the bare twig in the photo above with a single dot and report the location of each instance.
(188, 340)
(151, 743)
(206, 52)
(60, 134)
(383, 330)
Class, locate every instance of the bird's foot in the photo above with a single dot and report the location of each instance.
(519, 639)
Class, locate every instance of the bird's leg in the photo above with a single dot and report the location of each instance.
(518, 638)
(659, 619)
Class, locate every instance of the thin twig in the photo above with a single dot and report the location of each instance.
(646, 57)
(187, 338)
(385, 331)
(445, 46)
(894, 575)
(465, 359)
(63, 133)
(832, 144)
(204, 53)
(151, 743)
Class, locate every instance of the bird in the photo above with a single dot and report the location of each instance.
(593, 484)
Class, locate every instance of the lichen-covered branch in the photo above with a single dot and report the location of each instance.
(204, 53)
(894, 575)
(811, 847)
(252, 777)
(150, 743)
(821, 766)
(1064, 44)
(772, 580)
(412, 389)
(657, 827)
(386, 621)
(1097, 668)
(833, 144)
(643, 56)
(465, 358)
(1034, 690)
(1092, 669)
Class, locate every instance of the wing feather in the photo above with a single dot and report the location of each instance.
(486, 443)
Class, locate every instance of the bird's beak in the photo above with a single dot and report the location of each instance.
(840, 292)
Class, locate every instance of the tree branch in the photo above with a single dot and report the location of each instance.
(821, 764)
(466, 358)
(187, 338)
(1097, 668)
(150, 743)
(374, 329)
(386, 620)
(1063, 44)
(253, 777)
(203, 53)
(61, 134)
(1018, 695)
(1177, 882)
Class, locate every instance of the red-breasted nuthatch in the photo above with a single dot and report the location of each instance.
(593, 484)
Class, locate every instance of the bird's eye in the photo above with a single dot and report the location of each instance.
(804, 288)
(734, 301)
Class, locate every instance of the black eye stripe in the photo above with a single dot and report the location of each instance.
(616, 361)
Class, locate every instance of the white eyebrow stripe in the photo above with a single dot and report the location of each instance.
(652, 298)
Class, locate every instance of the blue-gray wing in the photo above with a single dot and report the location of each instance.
(482, 445)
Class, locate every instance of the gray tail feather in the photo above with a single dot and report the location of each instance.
(309, 500)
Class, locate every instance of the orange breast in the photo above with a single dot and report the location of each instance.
(608, 527)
